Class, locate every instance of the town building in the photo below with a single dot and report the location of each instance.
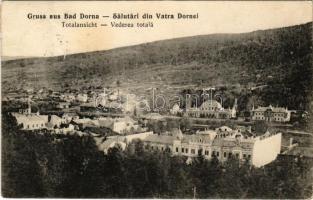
(176, 109)
(122, 141)
(63, 105)
(271, 114)
(101, 99)
(25, 111)
(212, 109)
(222, 143)
(68, 117)
(28, 120)
(31, 121)
(68, 97)
(55, 121)
(82, 98)
(125, 125)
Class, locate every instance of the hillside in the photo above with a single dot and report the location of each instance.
(280, 58)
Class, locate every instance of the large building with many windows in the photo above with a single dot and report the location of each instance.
(31, 121)
(212, 109)
(222, 143)
(271, 114)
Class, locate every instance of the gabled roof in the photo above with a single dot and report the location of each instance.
(163, 139)
(31, 118)
(197, 138)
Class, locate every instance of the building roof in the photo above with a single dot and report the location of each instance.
(125, 119)
(90, 104)
(176, 132)
(55, 117)
(71, 114)
(83, 121)
(210, 133)
(163, 139)
(223, 128)
(197, 138)
(155, 116)
(20, 118)
(233, 142)
(270, 107)
(105, 122)
(210, 104)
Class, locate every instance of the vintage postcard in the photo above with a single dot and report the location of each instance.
(157, 99)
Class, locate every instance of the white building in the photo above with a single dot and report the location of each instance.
(270, 113)
(125, 125)
(82, 98)
(212, 109)
(122, 141)
(55, 121)
(175, 109)
(222, 143)
(68, 97)
(31, 121)
(63, 105)
(68, 117)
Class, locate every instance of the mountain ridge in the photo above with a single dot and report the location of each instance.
(276, 57)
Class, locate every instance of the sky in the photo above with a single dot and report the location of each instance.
(31, 38)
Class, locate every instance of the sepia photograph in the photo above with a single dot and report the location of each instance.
(157, 99)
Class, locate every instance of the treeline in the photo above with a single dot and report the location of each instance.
(39, 165)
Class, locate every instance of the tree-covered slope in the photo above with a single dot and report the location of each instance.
(280, 58)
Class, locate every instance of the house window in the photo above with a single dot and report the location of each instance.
(213, 153)
(217, 153)
(182, 150)
(162, 148)
(229, 154)
(237, 155)
(176, 149)
(27, 126)
(244, 155)
(193, 151)
(186, 150)
(206, 152)
(225, 154)
(249, 156)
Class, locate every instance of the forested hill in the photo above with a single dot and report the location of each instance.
(280, 58)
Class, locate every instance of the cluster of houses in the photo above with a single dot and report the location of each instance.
(36, 121)
(221, 143)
